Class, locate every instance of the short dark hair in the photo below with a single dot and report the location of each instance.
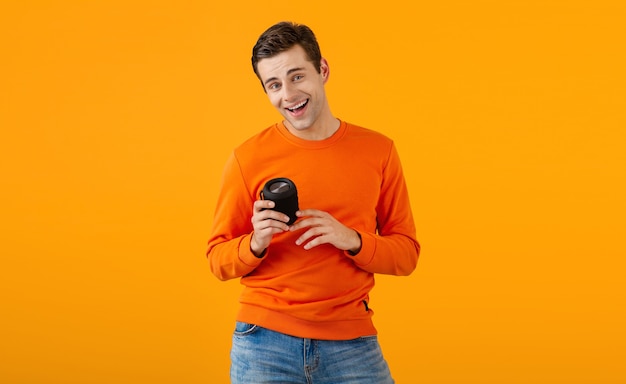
(281, 37)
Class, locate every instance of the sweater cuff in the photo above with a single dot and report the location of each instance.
(368, 248)
(246, 255)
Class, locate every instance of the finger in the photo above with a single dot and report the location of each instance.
(262, 213)
(310, 234)
(270, 231)
(263, 224)
(278, 217)
(299, 225)
(263, 204)
(270, 215)
(319, 240)
(308, 222)
(310, 212)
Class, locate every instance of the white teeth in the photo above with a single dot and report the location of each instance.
(297, 106)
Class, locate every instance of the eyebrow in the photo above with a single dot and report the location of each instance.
(289, 72)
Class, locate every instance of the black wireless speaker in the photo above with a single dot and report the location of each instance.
(284, 194)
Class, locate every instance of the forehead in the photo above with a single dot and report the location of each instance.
(280, 64)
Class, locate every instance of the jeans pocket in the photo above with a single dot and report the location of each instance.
(368, 339)
(242, 329)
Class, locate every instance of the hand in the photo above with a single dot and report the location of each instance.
(266, 223)
(325, 229)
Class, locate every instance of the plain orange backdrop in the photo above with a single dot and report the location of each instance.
(117, 117)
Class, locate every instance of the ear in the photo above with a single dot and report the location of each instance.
(324, 69)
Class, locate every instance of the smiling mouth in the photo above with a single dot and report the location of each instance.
(298, 106)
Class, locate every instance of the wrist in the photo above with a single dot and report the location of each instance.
(256, 250)
(359, 243)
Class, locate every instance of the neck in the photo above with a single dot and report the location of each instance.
(322, 129)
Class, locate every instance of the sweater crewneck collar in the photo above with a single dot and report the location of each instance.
(312, 144)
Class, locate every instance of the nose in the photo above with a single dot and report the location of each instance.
(288, 91)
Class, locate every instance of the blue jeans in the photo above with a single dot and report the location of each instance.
(260, 356)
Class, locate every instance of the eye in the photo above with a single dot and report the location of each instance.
(273, 86)
(298, 77)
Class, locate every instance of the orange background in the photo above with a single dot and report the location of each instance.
(117, 118)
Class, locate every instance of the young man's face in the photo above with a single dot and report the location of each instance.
(295, 88)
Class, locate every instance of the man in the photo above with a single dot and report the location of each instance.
(305, 315)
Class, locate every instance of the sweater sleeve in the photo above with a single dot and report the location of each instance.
(393, 249)
(229, 251)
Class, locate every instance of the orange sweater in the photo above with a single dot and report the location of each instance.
(323, 293)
